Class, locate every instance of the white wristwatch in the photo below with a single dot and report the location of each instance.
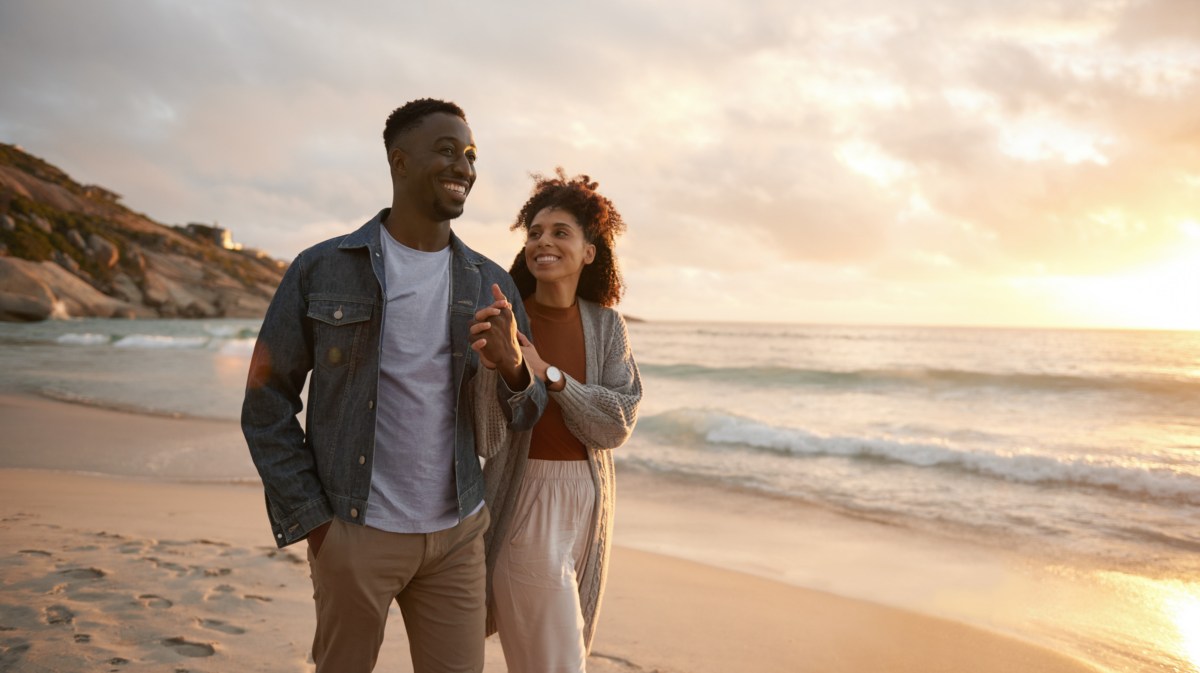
(553, 375)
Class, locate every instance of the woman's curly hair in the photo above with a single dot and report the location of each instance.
(601, 280)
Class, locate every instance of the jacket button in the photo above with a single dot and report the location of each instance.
(353, 512)
(337, 315)
(279, 535)
(370, 404)
(362, 460)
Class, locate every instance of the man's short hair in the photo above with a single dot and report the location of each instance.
(410, 114)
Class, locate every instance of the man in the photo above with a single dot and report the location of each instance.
(383, 479)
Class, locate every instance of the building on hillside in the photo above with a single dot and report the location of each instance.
(218, 235)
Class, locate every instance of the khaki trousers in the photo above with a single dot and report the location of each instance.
(535, 582)
(438, 580)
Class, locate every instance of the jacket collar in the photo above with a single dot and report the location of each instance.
(367, 236)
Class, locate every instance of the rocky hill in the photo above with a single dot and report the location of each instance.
(71, 250)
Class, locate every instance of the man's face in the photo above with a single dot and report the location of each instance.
(437, 165)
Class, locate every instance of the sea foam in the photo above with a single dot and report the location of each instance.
(718, 431)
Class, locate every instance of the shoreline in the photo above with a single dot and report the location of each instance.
(149, 570)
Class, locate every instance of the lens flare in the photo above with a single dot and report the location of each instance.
(1184, 610)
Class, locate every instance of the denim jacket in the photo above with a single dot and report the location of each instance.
(327, 318)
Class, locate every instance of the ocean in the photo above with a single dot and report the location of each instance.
(1078, 446)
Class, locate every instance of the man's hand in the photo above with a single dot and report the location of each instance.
(494, 337)
(316, 537)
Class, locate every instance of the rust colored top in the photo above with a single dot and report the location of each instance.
(558, 335)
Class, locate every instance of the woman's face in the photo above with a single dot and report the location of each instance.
(556, 249)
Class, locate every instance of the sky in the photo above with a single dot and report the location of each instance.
(931, 162)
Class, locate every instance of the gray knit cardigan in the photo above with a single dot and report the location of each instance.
(601, 414)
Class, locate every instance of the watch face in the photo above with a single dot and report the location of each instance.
(553, 375)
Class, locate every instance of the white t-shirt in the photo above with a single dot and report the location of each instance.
(412, 476)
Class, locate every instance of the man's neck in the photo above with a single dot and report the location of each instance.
(416, 232)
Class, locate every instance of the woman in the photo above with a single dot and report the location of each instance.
(552, 491)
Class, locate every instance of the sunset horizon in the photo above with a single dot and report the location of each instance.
(921, 163)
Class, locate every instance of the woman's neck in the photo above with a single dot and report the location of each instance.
(555, 295)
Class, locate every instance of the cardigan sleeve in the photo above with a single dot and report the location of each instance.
(494, 428)
(602, 414)
(491, 426)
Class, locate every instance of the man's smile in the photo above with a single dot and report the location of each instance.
(457, 188)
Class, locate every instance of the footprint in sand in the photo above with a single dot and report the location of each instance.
(223, 627)
(169, 565)
(225, 592)
(231, 552)
(215, 543)
(83, 637)
(34, 552)
(14, 617)
(282, 555)
(621, 662)
(12, 650)
(59, 614)
(188, 648)
(220, 592)
(211, 572)
(83, 573)
(154, 601)
(131, 547)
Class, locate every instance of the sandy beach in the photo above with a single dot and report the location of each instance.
(113, 573)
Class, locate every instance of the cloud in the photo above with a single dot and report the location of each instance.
(867, 148)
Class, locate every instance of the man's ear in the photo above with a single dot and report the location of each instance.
(398, 161)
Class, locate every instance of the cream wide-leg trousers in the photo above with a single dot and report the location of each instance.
(535, 583)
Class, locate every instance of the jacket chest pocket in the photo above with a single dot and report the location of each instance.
(338, 329)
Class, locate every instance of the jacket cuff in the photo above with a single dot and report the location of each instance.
(525, 406)
(297, 525)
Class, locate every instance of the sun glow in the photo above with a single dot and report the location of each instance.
(1165, 295)
(1184, 610)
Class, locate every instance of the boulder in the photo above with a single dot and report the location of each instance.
(175, 299)
(137, 258)
(26, 295)
(41, 290)
(103, 251)
(76, 239)
(23, 308)
(80, 299)
(65, 261)
(242, 305)
(125, 288)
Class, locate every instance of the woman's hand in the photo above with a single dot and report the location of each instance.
(536, 363)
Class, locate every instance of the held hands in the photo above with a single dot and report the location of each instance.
(494, 337)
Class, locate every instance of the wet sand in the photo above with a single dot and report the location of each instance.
(152, 573)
